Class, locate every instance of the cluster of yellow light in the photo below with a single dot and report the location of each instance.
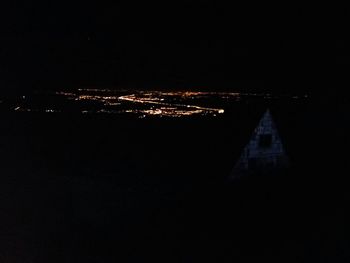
(106, 100)
(169, 110)
(192, 93)
(95, 90)
(157, 103)
(156, 100)
(95, 97)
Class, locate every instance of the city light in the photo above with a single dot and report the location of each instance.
(141, 104)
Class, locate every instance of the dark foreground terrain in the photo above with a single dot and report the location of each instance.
(102, 188)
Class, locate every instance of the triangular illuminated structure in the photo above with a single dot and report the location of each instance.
(264, 152)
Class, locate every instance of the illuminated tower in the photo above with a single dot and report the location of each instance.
(264, 152)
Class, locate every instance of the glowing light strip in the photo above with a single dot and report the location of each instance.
(132, 98)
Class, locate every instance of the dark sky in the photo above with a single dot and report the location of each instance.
(171, 44)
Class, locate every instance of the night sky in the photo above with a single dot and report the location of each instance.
(173, 45)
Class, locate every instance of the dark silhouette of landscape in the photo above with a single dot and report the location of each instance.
(122, 123)
(74, 186)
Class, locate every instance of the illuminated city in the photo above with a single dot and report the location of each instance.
(142, 104)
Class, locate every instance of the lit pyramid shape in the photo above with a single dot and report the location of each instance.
(264, 152)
